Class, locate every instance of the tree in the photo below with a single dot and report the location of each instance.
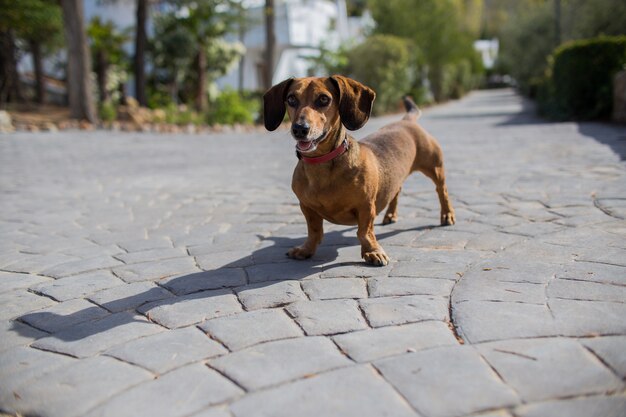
(205, 23)
(107, 49)
(440, 29)
(141, 44)
(80, 96)
(188, 47)
(37, 24)
(270, 43)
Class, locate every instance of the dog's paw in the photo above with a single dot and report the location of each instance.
(299, 253)
(389, 218)
(448, 219)
(377, 257)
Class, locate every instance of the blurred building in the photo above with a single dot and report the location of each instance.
(303, 29)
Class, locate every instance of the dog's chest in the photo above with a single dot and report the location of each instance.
(330, 198)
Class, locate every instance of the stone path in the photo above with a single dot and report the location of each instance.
(144, 275)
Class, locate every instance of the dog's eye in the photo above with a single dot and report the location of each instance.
(323, 101)
(292, 101)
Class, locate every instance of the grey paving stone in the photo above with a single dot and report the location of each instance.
(276, 362)
(457, 377)
(208, 280)
(483, 284)
(611, 350)
(588, 271)
(588, 318)
(589, 291)
(357, 269)
(372, 344)
(152, 271)
(216, 260)
(21, 365)
(151, 255)
(427, 270)
(385, 287)
(191, 309)
(385, 311)
(542, 369)
(19, 302)
(81, 266)
(481, 321)
(10, 281)
(327, 317)
(214, 412)
(332, 288)
(129, 296)
(295, 270)
(492, 241)
(137, 245)
(64, 314)
(270, 294)
(35, 264)
(357, 390)
(174, 348)
(91, 338)
(175, 394)
(78, 286)
(92, 380)
(600, 406)
(14, 333)
(248, 328)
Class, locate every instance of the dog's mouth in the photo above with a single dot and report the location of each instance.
(309, 145)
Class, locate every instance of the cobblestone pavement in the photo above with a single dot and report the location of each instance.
(144, 275)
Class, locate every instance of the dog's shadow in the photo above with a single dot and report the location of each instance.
(264, 267)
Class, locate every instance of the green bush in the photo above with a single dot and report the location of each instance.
(108, 111)
(579, 82)
(230, 107)
(382, 62)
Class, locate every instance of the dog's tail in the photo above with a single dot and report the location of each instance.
(413, 112)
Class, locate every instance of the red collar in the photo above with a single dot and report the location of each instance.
(325, 158)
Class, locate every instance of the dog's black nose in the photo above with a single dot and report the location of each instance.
(300, 130)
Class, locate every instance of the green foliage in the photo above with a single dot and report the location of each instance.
(382, 63)
(330, 61)
(182, 115)
(106, 39)
(107, 111)
(230, 107)
(178, 40)
(526, 43)
(441, 30)
(579, 83)
(33, 20)
(527, 30)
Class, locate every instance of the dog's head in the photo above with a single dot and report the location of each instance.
(316, 106)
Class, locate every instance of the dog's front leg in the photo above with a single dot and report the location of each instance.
(371, 251)
(315, 228)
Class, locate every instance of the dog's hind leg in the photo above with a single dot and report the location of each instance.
(391, 216)
(438, 176)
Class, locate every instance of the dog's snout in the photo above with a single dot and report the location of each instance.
(300, 130)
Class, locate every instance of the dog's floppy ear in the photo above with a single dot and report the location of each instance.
(355, 101)
(274, 104)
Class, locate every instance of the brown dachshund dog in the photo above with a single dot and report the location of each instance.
(344, 181)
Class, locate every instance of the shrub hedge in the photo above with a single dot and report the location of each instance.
(579, 81)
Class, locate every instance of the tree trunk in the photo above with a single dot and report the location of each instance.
(79, 92)
(270, 43)
(141, 40)
(201, 93)
(40, 82)
(9, 78)
(102, 68)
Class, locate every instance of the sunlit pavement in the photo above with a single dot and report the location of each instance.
(144, 275)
